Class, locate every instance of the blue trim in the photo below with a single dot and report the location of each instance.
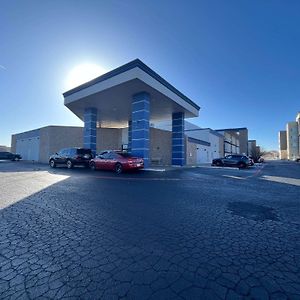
(131, 65)
(196, 141)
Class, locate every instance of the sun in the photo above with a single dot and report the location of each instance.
(83, 73)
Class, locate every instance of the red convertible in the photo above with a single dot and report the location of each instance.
(116, 161)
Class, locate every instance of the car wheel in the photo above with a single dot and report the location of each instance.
(52, 163)
(241, 165)
(118, 168)
(218, 164)
(69, 164)
(93, 166)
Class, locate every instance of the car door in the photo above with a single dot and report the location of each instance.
(111, 161)
(101, 161)
(59, 156)
(227, 160)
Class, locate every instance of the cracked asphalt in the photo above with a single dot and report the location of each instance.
(198, 233)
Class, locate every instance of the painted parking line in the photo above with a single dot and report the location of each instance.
(234, 177)
(286, 180)
(255, 174)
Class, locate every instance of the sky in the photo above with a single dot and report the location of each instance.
(238, 60)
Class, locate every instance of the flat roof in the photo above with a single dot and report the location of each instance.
(111, 93)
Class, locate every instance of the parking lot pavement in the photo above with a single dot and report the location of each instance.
(183, 234)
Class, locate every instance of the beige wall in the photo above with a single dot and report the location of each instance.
(191, 153)
(160, 147)
(109, 139)
(13, 143)
(292, 140)
(5, 148)
(55, 138)
(283, 154)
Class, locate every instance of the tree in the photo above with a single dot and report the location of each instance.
(256, 153)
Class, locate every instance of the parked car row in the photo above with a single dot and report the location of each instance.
(117, 161)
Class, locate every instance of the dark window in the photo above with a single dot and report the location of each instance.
(112, 155)
(104, 155)
(84, 151)
(72, 151)
(126, 155)
(60, 152)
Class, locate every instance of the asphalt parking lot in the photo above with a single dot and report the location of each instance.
(192, 233)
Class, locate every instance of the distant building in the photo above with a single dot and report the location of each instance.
(236, 140)
(202, 144)
(298, 121)
(282, 144)
(252, 147)
(292, 140)
(289, 140)
(214, 148)
(4, 148)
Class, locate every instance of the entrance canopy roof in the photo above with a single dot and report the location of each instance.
(112, 94)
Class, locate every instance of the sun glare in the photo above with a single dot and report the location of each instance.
(81, 74)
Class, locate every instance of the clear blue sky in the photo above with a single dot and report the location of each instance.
(238, 60)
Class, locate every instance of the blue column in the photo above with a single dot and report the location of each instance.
(129, 135)
(90, 129)
(178, 146)
(140, 126)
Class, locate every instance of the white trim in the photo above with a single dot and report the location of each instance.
(135, 73)
(140, 139)
(136, 111)
(144, 100)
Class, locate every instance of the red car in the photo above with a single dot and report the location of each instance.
(116, 161)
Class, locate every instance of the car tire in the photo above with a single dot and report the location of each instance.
(241, 165)
(118, 168)
(69, 164)
(52, 163)
(93, 166)
(218, 164)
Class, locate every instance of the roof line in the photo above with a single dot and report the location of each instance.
(197, 141)
(231, 129)
(135, 63)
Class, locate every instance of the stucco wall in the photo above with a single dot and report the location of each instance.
(160, 147)
(109, 139)
(191, 153)
(55, 138)
(13, 143)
